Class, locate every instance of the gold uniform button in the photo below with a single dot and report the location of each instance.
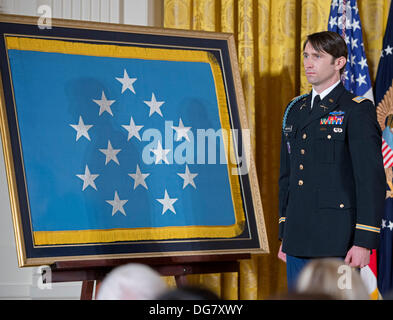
(342, 205)
(329, 136)
(301, 167)
(304, 136)
(300, 182)
(302, 151)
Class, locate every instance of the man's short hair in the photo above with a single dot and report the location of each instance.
(329, 42)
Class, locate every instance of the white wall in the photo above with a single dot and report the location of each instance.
(136, 12)
(25, 283)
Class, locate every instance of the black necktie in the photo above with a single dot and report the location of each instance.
(316, 102)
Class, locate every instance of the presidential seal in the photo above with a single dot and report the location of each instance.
(385, 119)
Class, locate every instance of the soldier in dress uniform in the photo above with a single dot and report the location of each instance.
(332, 180)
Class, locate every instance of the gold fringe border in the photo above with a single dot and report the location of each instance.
(135, 234)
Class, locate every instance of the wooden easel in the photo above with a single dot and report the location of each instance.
(92, 272)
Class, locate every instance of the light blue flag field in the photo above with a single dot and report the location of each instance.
(118, 147)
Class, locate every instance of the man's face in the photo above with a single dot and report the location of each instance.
(322, 70)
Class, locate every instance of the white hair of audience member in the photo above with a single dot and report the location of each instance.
(331, 276)
(131, 282)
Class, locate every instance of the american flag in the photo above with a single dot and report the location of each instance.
(383, 81)
(344, 19)
(387, 153)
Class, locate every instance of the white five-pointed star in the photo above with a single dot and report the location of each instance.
(133, 130)
(110, 153)
(160, 153)
(181, 131)
(167, 203)
(390, 226)
(389, 50)
(361, 79)
(81, 129)
(383, 223)
(154, 105)
(117, 204)
(139, 177)
(353, 62)
(188, 178)
(346, 37)
(127, 82)
(332, 22)
(105, 104)
(355, 24)
(88, 179)
(363, 62)
(354, 43)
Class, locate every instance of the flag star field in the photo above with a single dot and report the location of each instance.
(84, 122)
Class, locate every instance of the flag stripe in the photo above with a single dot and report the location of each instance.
(388, 159)
(386, 150)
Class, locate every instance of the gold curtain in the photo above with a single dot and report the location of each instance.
(269, 36)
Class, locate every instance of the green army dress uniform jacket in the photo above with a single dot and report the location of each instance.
(332, 180)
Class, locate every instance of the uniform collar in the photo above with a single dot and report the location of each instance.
(324, 93)
(328, 104)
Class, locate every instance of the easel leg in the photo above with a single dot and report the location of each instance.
(87, 290)
(98, 284)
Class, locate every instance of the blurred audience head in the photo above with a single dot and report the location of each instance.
(332, 277)
(131, 282)
(188, 293)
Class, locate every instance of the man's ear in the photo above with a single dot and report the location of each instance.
(340, 63)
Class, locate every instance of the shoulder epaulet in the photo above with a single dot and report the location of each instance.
(359, 99)
(291, 104)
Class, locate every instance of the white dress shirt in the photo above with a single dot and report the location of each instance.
(324, 93)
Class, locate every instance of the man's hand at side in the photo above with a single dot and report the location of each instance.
(281, 255)
(358, 257)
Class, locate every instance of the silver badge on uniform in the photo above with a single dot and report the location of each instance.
(288, 129)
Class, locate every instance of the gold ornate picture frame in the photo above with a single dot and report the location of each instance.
(123, 141)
